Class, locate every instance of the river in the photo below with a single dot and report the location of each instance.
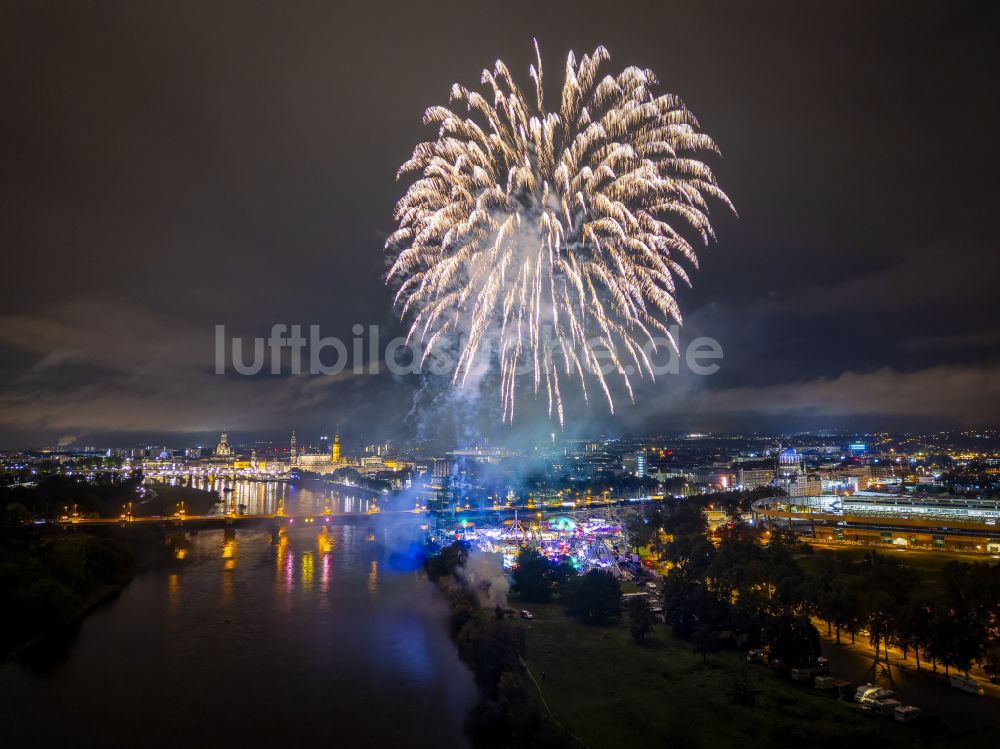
(251, 639)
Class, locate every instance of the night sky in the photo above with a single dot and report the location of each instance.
(170, 166)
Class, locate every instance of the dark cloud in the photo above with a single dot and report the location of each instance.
(173, 166)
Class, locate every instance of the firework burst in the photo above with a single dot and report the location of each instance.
(555, 236)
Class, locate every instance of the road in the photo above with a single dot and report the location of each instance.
(929, 691)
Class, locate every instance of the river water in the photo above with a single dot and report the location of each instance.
(315, 634)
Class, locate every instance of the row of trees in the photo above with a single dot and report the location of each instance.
(493, 647)
(955, 623)
(104, 495)
(753, 588)
(594, 597)
(739, 592)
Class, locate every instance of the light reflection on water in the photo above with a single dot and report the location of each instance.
(304, 633)
(265, 497)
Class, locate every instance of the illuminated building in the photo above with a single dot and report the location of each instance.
(804, 485)
(635, 464)
(293, 458)
(223, 450)
(323, 462)
(754, 478)
(789, 464)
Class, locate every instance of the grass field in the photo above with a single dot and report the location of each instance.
(612, 692)
(927, 564)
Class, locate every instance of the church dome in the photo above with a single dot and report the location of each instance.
(788, 456)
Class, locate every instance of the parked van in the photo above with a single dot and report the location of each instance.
(867, 694)
(966, 685)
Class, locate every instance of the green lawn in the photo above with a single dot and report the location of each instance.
(613, 693)
(927, 564)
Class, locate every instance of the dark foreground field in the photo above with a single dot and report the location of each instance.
(611, 692)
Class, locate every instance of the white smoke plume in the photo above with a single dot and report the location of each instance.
(485, 579)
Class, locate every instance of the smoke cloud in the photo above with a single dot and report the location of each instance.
(485, 579)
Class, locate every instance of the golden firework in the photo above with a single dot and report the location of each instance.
(553, 235)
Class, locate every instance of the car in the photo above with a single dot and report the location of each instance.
(755, 656)
(525, 614)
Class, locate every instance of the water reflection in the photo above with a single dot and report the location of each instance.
(349, 640)
(307, 569)
(324, 541)
(268, 497)
(229, 549)
(173, 592)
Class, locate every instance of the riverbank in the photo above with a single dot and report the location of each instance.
(612, 692)
(49, 580)
(510, 711)
(163, 499)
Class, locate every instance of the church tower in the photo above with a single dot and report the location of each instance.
(335, 449)
(293, 458)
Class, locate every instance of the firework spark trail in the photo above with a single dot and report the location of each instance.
(521, 219)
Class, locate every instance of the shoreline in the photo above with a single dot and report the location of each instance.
(56, 579)
(93, 603)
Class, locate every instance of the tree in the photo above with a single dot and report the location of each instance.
(705, 640)
(491, 647)
(991, 661)
(793, 639)
(685, 518)
(640, 617)
(920, 616)
(562, 573)
(446, 561)
(679, 591)
(533, 576)
(595, 597)
(639, 531)
(956, 638)
(823, 587)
